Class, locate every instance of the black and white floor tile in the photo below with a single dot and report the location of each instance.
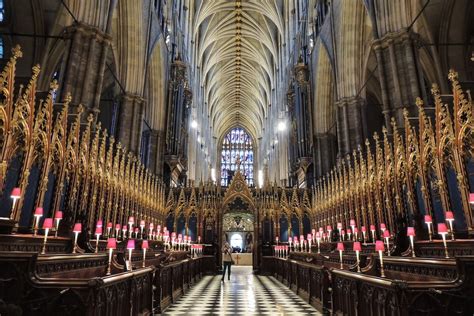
(244, 294)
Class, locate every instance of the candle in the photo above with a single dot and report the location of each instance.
(340, 247)
(58, 216)
(130, 247)
(357, 248)
(144, 247)
(47, 225)
(380, 248)
(111, 245)
(411, 234)
(429, 222)
(76, 230)
(443, 231)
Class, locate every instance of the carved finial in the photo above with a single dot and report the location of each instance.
(419, 103)
(90, 118)
(36, 70)
(405, 113)
(435, 89)
(393, 123)
(367, 143)
(453, 75)
(54, 86)
(16, 52)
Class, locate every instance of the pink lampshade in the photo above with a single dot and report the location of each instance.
(313, 231)
(329, 228)
(77, 228)
(356, 246)
(180, 236)
(99, 223)
(131, 244)
(321, 229)
(324, 235)
(98, 231)
(111, 243)
(58, 215)
(379, 246)
(340, 246)
(173, 235)
(142, 223)
(349, 231)
(372, 227)
(39, 211)
(442, 228)
(382, 226)
(295, 239)
(428, 219)
(339, 225)
(16, 193)
(117, 226)
(131, 220)
(136, 229)
(343, 232)
(124, 228)
(386, 234)
(363, 229)
(352, 222)
(471, 198)
(145, 244)
(151, 226)
(318, 235)
(48, 223)
(301, 237)
(411, 231)
(277, 238)
(356, 230)
(110, 225)
(158, 228)
(309, 237)
(449, 216)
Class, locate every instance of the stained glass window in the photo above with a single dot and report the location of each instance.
(237, 145)
(2, 11)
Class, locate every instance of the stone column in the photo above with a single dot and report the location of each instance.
(84, 66)
(325, 149)
(350, 124)
(130, 120)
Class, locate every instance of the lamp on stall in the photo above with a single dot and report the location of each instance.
(429, 222)
(364, 230)
(76, 230)
(98, 232)
(309, 237)
(443, 231)
(450, 220)
(356, 233)
(130, 247)
(471, 198)
(313, 234)
(111, 246)
(318, 240)
(109, 228)
(117, 230)
(340, 248)
(301, 242)
(343, 233)
(131, 221)
(124, 231)
(295, 243)
(357, 248)
(145, 246)
(150, 230)
(329, 229)
(99, 223)
(411, 234)
(142, 226)
(349, 233)
(380, 248)
(15, 196)
(58, 216)
(339, 228)
(199, 239)
(277, 239)
(47, 225)
(290, 241)
(386, 236)
(383, 227)
(352, 223)
(38, 213)
(372, 230)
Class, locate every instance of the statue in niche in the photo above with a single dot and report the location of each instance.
(249, 243)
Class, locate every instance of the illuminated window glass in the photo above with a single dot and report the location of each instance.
(2, 12)
(237, 144)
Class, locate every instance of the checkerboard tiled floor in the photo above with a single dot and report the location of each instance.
(244, 294)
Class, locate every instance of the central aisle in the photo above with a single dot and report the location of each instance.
(244, 294)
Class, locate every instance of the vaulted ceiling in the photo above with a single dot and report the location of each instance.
(237, 54)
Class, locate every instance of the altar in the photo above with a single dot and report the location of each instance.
(242, 259)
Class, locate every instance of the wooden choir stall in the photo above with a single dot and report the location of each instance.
(80, 218)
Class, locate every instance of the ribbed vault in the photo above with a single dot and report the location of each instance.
(237, 54)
